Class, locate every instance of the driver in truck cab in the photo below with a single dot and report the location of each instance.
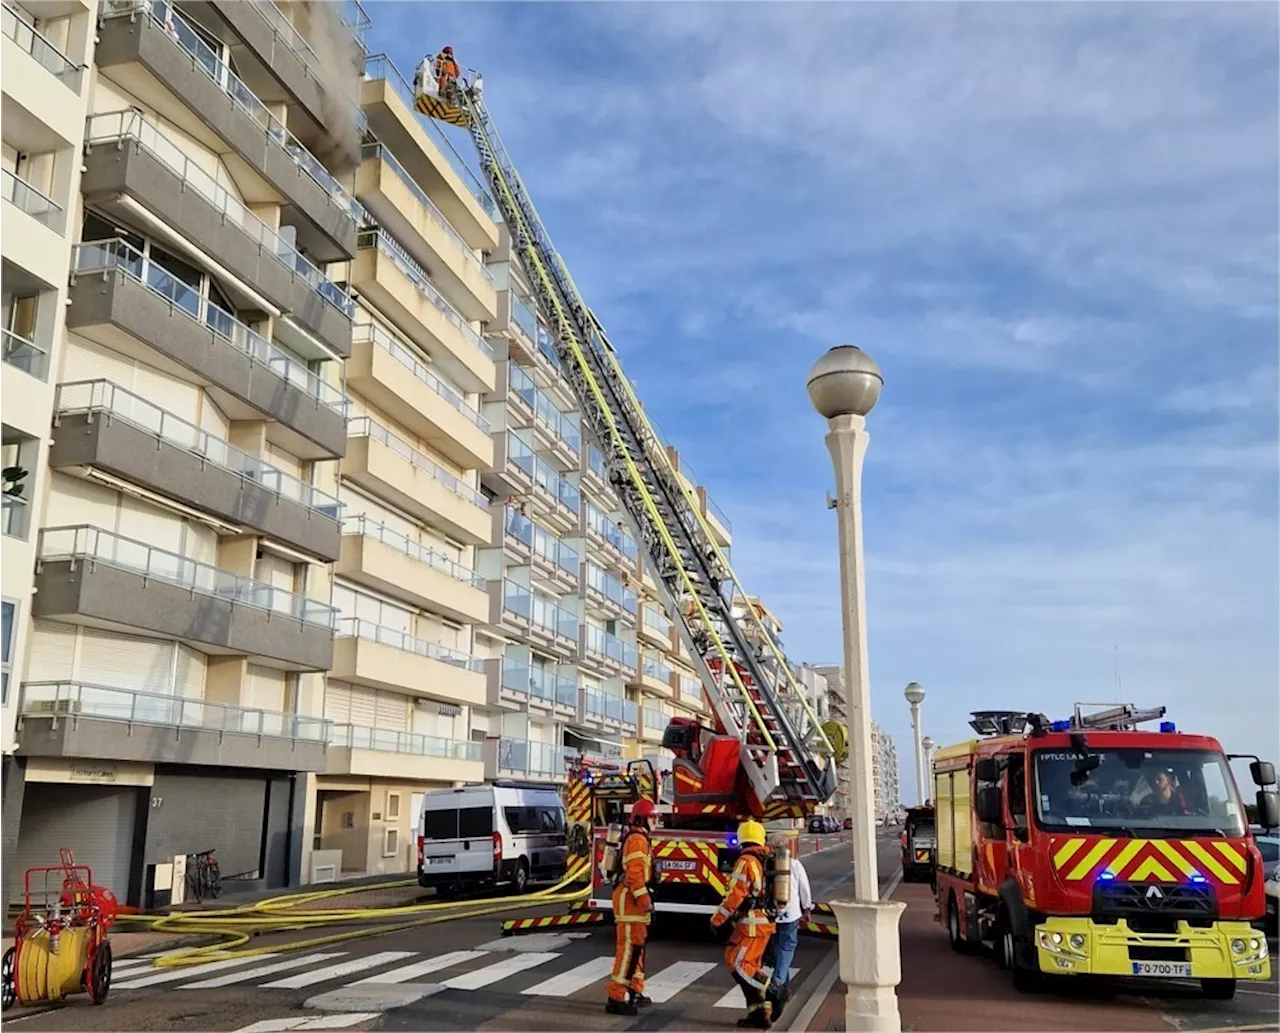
(632, 911)
(745, 905)
(1165, 796)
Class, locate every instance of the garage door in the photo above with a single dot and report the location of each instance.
(96, 822)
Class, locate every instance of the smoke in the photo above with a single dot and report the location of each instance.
(320, 23)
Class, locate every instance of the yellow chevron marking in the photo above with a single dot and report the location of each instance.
(1095, 855)
(1118, 863)
(1151, 867)
(1067, 852)
(1180, 862)
(1209, 861)
(1233, 855)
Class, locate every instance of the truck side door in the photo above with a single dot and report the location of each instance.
(1017, 831)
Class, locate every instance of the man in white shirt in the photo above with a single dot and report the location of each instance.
(799, 908)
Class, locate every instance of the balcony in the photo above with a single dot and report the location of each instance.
(515, 531)
(391, 376)
(387, 561)
(384, 658)
(688, 691)
(653, 626)
(74, 719)
(553, 559)
(652, 724)
(427, 153)
(130, 162)
(119, 298)
(39, 80)
(716, 519)
(401, 289)
(607, 711)
(554, 431)
(17, 517)
(618, 550)
(607, 594)
(514, 683)
(653, 677)
(604, 652)
(404, 208)
(151, 50)
(510, 607)
(514, 464)
(394, 470)
(520, 758)
(595, 471)
(92, 577)
(383, 753)
(553, 626)
(26, 355)
(38, 222)
(101, 426)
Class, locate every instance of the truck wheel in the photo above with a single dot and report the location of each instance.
(953, 927)
(1218, 989)
(1025, 980)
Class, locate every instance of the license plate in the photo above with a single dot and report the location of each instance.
(440, 860)
(678, 866)
(1167, 969)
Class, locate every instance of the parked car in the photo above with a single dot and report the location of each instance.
(848, 824)
(1269, 846)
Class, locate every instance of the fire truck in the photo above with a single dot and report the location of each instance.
(1094, 847)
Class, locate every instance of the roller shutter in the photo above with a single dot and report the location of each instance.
(169, 393)
(85, 361)
(190, 673)
(364, 706)
(275, 571)
(337, 702)
(96, 822)
(159, 528)
(52, 652)
(281, 460)
(264, 689)
(391, 710)
(142, 664)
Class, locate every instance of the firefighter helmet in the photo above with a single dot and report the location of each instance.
(642, 809)
(751, 832)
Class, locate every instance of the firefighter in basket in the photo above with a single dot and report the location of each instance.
(750, 905)
(630, 864)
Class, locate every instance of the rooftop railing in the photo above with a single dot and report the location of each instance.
(116, 126)
(104, 255)
(102, 396)
(367, 528)
(130, 706)
(354, 18)
(183, 34)
(22, 195)
(357, 737)
(84, 542)
(406, 357)
(376, 238)
(719, 514)
(26, 355)
(363, 426)
(45, 53)
(368, 631)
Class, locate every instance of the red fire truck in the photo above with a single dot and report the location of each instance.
(1091, 847)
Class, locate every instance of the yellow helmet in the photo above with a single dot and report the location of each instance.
(751, 832)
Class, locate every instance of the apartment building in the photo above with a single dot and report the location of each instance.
(885, 773)
(828, 681)
(173, 392)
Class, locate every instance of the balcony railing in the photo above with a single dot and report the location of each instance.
(518, 526)
(404, 356)
(368, 631)
(657, 620)
(524, 317)
(365, 527)
(22, 195)
(379, 66)
(17, 516)
(547, 346)
(553, 550)
(28, 39)
(102, 396)
(354, 18)
(718, 513)
(129, 706)
(690, 689)
(656, 670)
(378, 152)
(517, 599)
(375, 238)
(655, 720)
(104, 255)
(26, 355)
(611, 588)
(552, 618)
(614, 648)
(545, 410)
(114, 127)
(177, 28)
(611, 532)
(363, 426)
(533, 758)
(607, 706)
(357, 737)
(83, 542)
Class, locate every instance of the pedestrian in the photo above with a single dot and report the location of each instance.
(632, 911)
(799, 909)
(745, 904)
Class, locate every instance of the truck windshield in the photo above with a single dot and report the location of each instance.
(1149, 791)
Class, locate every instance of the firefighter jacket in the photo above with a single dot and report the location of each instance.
(631, 900)
(744, 904)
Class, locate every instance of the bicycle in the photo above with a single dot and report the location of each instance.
(203, 875)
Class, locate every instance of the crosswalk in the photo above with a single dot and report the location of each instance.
(462, 970)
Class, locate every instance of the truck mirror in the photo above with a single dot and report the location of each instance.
(1268, 809)
(986, 769)
(989, 806)
(1263, 773)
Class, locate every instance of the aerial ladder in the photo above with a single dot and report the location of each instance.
(783, 762)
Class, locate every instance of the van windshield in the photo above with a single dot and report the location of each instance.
(1135, 790)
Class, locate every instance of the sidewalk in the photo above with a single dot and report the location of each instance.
(942, 990)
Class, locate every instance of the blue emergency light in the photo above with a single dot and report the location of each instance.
(1168, 726)
(1060, 726)
(1106, 876)
(1197, 878)
(733, 839)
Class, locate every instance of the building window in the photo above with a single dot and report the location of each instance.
(393, 806)
(390, 842)
(10, 622)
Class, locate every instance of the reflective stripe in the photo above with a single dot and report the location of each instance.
(634, 857)
(630, 918)
(640, 894)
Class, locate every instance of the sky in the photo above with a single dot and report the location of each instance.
(1054, 226)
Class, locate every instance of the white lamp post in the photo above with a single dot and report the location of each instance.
(915, 696)
(928, 745)
(844, 386)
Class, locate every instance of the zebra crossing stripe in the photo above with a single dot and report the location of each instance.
(735, 999)
(172, 975)
(567, 983)
(421, 968)
(344, 968)
(261, 970)
(304, 1022)
(482, 977)
(674, 978)
(118, 968)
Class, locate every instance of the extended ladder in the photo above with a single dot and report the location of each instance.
(786, 755)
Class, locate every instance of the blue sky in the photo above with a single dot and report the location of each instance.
(1054, 227)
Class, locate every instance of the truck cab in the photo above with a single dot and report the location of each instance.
(1092, 847)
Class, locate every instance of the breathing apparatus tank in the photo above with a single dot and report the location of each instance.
(781, 878)
(612, 852)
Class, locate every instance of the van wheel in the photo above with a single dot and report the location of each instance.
(1218, 989)
(520, 881)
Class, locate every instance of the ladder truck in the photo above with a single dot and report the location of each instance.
(767, 754)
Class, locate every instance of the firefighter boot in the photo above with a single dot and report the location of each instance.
(640, 1000)
(621, 1008)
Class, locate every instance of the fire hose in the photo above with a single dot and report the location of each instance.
(238, 925)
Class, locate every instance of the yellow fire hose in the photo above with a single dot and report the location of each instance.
(47, 975)
(240, 924)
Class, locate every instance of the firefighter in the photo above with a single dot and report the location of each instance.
(446, 72)
(745, 904)
(632, 910)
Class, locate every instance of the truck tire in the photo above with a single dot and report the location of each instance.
(1218, 989)
(958, 943)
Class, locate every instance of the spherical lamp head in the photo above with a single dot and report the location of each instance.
(927, 742)
(845, 382)
(914, 693)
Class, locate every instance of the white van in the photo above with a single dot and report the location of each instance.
(502, 834)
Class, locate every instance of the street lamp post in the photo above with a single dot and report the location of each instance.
(928, 744)
(915, 696)
(844, 385)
